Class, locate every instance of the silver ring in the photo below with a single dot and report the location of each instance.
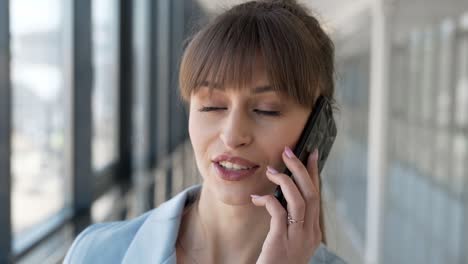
(293, 221)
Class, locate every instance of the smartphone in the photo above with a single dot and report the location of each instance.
(319, 132)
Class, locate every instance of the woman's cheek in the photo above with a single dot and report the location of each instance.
(202, 130)
(195, 132)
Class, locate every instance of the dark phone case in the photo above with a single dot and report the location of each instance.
(319, 132)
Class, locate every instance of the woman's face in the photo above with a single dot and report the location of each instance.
(237, 133)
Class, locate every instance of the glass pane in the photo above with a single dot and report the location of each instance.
(446, 65)
(105, 92)
(106, 207)
(461, 94)
(141, 78)
(350, 148)
(41, 95)
(460, 156)
(424, 189)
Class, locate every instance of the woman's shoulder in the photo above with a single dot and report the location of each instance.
(115, 241)
(324, 256)
(104, 242)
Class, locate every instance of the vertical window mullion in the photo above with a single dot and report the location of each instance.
(81, 114)
(141, 105)
(5, 135)
(162, 93)
(153, 103)
(125, 90)
(177, 37)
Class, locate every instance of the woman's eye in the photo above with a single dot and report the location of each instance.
(267, 113)
(258, 111)
(211, 108)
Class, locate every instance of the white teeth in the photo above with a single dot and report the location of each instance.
(233, 166)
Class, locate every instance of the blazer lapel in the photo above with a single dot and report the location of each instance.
(155, 240)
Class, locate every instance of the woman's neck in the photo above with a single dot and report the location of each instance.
(214, 232)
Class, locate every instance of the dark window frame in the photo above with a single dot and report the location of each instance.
(5, 135)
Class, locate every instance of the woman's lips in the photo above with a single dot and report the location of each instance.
(235, 160)
(233, 175)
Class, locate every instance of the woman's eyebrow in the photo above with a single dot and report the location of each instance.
(263, 89)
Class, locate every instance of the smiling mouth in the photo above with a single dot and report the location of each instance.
(233, 172)
(233, 166)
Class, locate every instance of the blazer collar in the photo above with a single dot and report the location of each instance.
(155, 240)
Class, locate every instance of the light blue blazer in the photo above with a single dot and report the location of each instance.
(149, 238)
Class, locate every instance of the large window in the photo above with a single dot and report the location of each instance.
(84, 92)
(346, 172)
(352, 145)
(427, 171)
(105, 39)
(40, 38)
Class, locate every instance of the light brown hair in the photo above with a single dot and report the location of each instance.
(298, 55)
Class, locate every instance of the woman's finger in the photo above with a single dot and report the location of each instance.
(313, 206)
(295, 202)
(301, 175)
(278, 224)
(312, 168)
(305, 180)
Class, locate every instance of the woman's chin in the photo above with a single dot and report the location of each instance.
(239, 193)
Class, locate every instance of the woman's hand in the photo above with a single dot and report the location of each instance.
(293, 242)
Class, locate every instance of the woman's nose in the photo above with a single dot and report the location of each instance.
(236, 131)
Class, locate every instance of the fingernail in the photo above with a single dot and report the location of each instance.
(271, 170)
(315, 155)
(254, 196)
(288, 152)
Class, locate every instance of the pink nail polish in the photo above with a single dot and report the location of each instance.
(315, 155)
(271, 170)
(254, 196)
(288, 152)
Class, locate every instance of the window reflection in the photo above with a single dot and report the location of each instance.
(351, 143)
(40, 119)
(424, 187)
(460, 156)
(461, 96)
(105, 89)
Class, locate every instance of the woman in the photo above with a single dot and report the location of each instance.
(251, 78)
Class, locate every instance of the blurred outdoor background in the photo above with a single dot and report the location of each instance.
(92, 128)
